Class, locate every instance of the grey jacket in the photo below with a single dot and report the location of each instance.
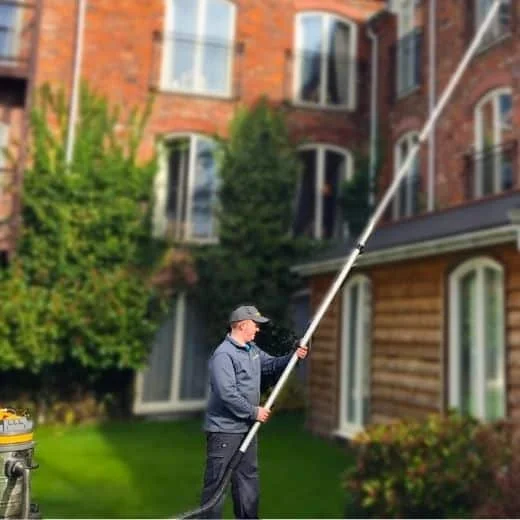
(234, 385)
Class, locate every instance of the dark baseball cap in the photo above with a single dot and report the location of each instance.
(247, 312)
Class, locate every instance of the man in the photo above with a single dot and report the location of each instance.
(235, 371)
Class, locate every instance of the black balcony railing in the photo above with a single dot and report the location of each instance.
(502, 26)
(491, 171)
(406, 64)
(202, 66)
(17, 42)
(324, 79)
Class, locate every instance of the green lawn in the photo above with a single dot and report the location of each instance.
(154, 469)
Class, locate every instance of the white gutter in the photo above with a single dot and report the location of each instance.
(439, 246)
(432, 95)
(76, 75)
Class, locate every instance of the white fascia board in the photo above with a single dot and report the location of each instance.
(514, 217)
(487, 237)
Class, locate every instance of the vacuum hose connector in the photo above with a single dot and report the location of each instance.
(16, 469)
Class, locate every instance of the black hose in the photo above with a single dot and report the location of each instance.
(222, 485)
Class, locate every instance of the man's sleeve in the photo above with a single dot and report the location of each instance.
(224, 383)
(272, 365)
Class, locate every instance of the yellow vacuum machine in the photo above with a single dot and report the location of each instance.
(16, 464)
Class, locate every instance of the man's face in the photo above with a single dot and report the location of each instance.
(249, 329)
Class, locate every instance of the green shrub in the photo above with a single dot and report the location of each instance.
(439, 467)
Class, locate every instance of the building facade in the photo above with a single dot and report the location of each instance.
(429, 318)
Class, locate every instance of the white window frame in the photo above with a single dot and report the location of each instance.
(493, 96)
(161, 185)
(175, 403)
(408, 179)
(321, 149)
(346, 428)
(169, 50)
(352, 88)
(478, 265)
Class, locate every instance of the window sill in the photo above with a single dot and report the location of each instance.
(195, 94)
(407, 93)
(319, 107)
(347, 433)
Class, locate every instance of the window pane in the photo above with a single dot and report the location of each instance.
(216, 47)
(309, 58)
(7, 31)
(204, 193)
(306, 195)
(178, 168)
(157, 377)
(338, 63)
(335, 172)
(467, 342)
(494, 346)
(352, 353)
(195, 355)
(184, 43)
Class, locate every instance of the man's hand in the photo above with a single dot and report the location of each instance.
(262, 414)
(302, 351)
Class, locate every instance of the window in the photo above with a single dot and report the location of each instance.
(186, 188)
(176, 375)
(318, 213)
(355, 355)
(477, 345)
(500, 25)
(325, 60)
(406, 202)
(494, 159)
(8, 32)
(199, 46)
(408, 48)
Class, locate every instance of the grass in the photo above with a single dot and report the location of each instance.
(154, 469)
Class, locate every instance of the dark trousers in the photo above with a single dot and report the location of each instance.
(220, 447)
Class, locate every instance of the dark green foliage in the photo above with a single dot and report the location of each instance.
(355, 193)
(436, 468)
(258, 168)
(77, 293)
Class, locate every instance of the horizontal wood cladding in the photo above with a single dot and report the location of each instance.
(410, 320)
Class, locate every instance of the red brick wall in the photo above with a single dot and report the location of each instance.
(499, 66)
(119, 55)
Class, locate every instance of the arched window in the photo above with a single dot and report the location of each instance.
(356, 325)
(493, 163)
(477, 343)
(318, 213)
(198, 46)
(186, 189)
(406, 201)
(325, 61)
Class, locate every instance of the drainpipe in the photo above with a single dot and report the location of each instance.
(74, 96)
(431, 105)
(374, 80)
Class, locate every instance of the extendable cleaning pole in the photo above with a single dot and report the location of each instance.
(340, 278)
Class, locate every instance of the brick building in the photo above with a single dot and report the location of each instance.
(354, 76)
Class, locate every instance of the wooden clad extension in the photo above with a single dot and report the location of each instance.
(409, 356)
